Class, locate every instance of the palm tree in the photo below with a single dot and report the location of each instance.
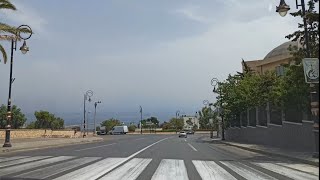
(4, 28)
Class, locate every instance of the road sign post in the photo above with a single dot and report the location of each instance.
(311, 74)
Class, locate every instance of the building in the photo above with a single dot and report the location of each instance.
(187, 119)
(273, 60)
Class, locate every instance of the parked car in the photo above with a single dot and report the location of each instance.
(182, 134)
(119, 130)
(190, 132)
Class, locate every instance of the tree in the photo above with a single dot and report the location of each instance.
(46, 120)
(5, 28)
(132, 128)
(176, 123)
(110, 123)
(18, 118)
(189, 122)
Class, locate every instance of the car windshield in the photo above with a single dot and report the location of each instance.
(159, 89)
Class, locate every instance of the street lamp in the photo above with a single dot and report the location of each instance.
(140, 120)
(283, 8)
(24, 49)
(88, 122)
(215, 83)
(87, 97)
(95, 112)
(314, 94)
(177, 115)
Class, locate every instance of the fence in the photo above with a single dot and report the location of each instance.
(270, 125)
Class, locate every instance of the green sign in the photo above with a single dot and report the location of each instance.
(311, 70)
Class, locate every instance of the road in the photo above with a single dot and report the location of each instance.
(145, 157)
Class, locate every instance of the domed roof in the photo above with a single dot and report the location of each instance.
(281, 52)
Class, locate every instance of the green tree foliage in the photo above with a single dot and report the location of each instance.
(205, 115)
(132, 128)
(176, 123)
(7, 29)
(189, 122)
(110, 123)
(46, 120)
(166, 125)
(154, 120)
(18, 118)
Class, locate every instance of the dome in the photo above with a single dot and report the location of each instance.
(281, 52)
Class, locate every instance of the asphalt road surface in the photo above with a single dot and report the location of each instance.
(145, 157)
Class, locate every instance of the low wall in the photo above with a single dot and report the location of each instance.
(36, 133)
(294, 136)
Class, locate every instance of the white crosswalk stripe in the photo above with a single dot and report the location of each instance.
(291, 173)
(247, 171)
(132, 170)
(87, 168)
(209, 170)
(11, 158)
(24, 160)
(46, 172)
(93, 171)
(18, 168)
(169, 169)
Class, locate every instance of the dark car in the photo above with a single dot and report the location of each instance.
(190, 132)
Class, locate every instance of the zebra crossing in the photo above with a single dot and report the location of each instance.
(86, 168)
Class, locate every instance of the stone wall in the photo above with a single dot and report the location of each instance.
(36, 133)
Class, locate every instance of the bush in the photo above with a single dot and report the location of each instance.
(132, 128)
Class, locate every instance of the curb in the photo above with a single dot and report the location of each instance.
(7, 151)
(274, 154)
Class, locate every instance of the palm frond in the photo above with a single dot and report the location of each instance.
(6, 4)
(5, 28)
(4, 54)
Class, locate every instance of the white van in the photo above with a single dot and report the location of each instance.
(119, 130)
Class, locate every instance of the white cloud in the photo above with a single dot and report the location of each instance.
(192, 12)
(26, 15)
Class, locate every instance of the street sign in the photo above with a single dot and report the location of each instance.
(311, 70)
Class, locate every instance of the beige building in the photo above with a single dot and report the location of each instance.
(273, 60)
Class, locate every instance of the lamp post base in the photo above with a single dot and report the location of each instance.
(7, 142)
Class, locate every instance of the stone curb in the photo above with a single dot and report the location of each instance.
(8, 150)
(274, 154)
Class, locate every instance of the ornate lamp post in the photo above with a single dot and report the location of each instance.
(215, 83)
(24, 49)
(140, 120)
(87, 97)
(95, 112)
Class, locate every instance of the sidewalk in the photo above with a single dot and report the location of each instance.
(40, 143)
(303, 157)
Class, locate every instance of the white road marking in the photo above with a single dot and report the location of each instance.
(302, 167)
(171, 169)
(246, 171)
(293, 174)
(24, 160)
(46, 172)
(134, 154)
(111, 163)
(94, 170)
(17, 168)
(95, 147)
(192, 147)
(185, 140)
(129, 171)
(209, 170)
(12, 158)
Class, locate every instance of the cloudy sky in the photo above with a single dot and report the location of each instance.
(157, 54)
